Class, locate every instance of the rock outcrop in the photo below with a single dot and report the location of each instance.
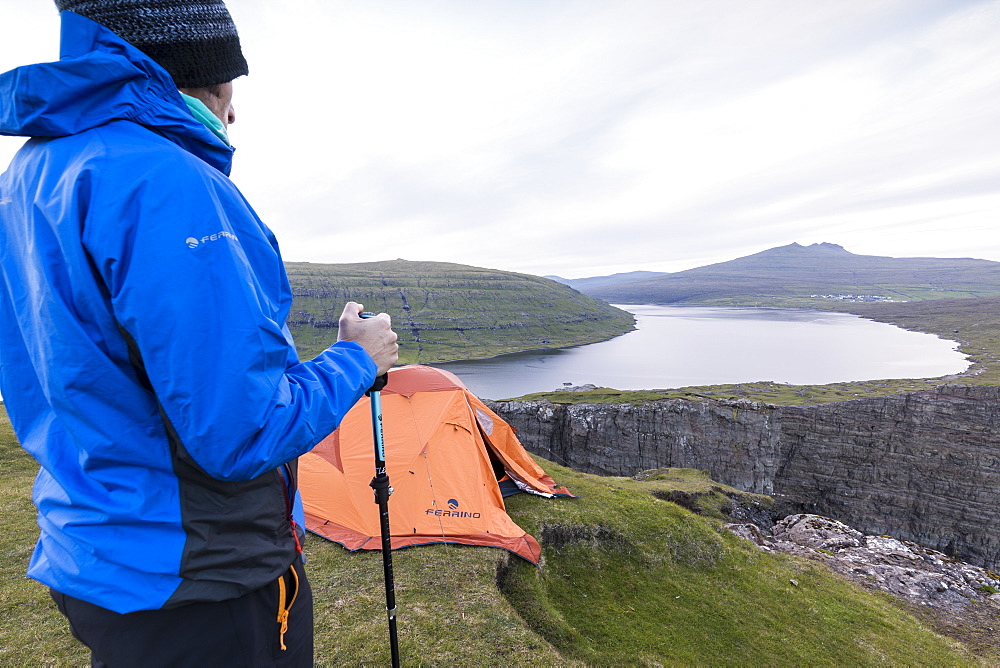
(922, 467)
(914, 573)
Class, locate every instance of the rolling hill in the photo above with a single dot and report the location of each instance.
(443, 311)
(796, 272)
(582, 284)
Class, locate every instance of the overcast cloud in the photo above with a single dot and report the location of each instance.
(583, 138)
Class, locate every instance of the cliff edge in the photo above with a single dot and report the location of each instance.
(923, 467)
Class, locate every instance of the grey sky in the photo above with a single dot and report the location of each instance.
(582, 138)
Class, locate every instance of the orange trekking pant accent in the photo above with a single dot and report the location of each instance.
(282, 609)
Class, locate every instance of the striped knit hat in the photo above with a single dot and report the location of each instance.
(194, 40)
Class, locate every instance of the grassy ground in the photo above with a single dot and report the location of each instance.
(32, 632)
(626, 579)
(631, 579)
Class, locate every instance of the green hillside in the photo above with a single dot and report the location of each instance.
(628, 578)
(444, 311)
(793, 274)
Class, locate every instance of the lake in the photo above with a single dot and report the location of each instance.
(680, 346)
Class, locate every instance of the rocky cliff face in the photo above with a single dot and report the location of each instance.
(923, 467)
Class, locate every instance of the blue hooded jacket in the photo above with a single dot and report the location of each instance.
(144, 358)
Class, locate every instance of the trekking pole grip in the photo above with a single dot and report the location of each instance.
(384, 378)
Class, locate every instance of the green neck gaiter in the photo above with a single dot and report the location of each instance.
(207, 118)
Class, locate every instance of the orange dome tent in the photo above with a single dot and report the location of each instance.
(445, 451)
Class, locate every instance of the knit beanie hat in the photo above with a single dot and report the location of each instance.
(194, 40)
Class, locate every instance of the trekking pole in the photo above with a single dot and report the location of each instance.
(380, 485)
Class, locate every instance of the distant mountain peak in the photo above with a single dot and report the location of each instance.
(797, 248)
(827, 247)
(801, 272)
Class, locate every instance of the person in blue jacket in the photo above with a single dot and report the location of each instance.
(145, 362)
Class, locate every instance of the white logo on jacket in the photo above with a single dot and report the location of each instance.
(194, 243)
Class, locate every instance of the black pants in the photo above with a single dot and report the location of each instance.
(239, 632)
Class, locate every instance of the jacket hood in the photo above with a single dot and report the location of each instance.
(100, 78)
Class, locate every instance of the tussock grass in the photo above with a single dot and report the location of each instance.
(626, 579)
(695, 490)
(664, 586)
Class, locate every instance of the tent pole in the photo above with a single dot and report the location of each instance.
(380, 485)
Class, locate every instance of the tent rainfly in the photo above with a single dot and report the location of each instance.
(447, 456)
